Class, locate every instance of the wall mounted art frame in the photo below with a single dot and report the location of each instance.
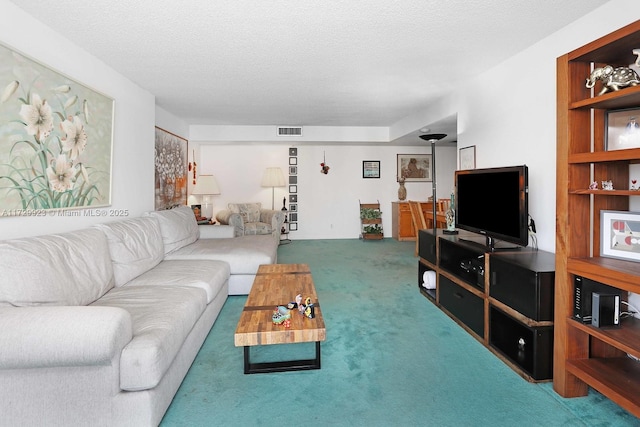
(620, 235)
(56, 139)
(467, 157)
(370, 169)
(622, 129)
(414, 167)
(171, 170)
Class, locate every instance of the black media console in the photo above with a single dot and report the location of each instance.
(503, 298)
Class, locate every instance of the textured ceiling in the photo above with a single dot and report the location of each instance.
(299, 62)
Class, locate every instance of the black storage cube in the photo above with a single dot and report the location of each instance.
(427, 245)
(531, 348)
(464, 305)
(421, 270)
(524, 282)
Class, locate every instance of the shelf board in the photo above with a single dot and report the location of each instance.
(630, 154)
(625, 193)
(615, 272)
(617, 378)
(625, 338)
(624, 98)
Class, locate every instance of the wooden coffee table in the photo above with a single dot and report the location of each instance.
(274, 285)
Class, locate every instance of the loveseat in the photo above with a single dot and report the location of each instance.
(99, 326)
(250, 219)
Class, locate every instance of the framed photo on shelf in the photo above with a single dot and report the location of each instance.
(620, 235)
(414, 167)
(622, 129)
(468, 157)
(371, 169)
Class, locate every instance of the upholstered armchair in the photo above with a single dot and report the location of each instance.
(250, 219)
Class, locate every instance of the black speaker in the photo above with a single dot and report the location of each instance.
(583, 290)
(605, 310)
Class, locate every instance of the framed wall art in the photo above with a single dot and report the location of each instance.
(371, 169)
(622, 129)
(171, 170)
(57, 137)
(620, 235)
(467, 157)
(414, 167)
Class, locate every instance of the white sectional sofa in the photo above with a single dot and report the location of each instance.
(99, 326)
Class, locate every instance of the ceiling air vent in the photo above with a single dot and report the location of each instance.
(289, 130)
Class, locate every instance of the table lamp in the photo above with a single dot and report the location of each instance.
(206, 186)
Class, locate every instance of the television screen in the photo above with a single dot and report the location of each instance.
(494, 203)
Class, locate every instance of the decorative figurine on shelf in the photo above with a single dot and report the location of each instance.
(633, 185)
(450, 217)
(593, 186)
(613, 79)
(607, 185)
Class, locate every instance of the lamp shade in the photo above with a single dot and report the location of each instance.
(273, 177)
(206, 184)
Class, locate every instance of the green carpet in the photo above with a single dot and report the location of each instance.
(391, 358)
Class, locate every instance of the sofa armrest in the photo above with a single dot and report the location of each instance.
(47, 336)
(273, 217)
(226, 217)
(216, 231)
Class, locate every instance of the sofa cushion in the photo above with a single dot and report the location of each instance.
(211, 276)
(250, 212)
(59, 269)
(178, 227)
(255, 228)
(162, 317)
(244, 254)
(135, 245)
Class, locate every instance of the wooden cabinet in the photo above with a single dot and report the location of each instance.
(586, 356)
(401, 223)
(504, 299)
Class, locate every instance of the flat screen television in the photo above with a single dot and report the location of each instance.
(494, 202)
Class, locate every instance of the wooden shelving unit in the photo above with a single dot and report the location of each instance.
(371, 228)
(585, 356)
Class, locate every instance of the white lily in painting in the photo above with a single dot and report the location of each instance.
(60, 174)
(75, 139)
(37, 117)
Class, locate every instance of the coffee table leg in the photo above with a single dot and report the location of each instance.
(289, 365)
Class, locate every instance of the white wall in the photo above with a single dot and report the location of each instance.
(133, 138)
(509, 112)
(328, 205)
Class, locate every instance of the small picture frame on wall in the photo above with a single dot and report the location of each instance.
(293, 226)
(293, 208)
(293, 189)
(620, 235)
(293, 198)
(467, 157)
(293, 151)
(293, 170)
(370, 169)
(293, 160)
(622, 129)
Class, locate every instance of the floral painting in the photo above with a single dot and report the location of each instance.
(55, 139)
(171, 170)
